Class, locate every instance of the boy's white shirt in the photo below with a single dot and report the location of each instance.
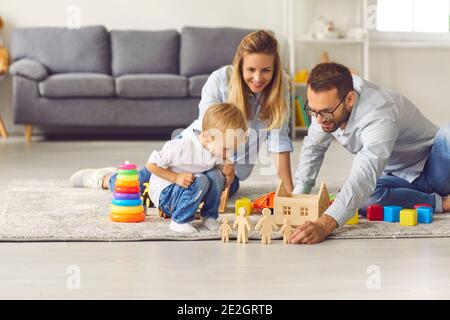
(185, 154)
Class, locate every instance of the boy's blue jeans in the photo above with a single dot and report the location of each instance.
(182, 203)
(432, 184)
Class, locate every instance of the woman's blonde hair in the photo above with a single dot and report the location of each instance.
(273, 106)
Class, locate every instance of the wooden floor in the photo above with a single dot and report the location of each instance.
(335, 269)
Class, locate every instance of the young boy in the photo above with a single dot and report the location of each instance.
(185, 173)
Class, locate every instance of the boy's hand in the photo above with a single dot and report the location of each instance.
(228, 172)
(184, 179)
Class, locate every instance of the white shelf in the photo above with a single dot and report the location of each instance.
(298, 37)
(330, 41)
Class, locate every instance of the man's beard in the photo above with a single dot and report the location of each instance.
(335, 125)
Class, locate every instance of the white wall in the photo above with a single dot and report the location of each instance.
(422, 74)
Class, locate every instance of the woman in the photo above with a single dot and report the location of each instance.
(257, 84)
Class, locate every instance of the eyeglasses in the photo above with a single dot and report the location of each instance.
(326, 115)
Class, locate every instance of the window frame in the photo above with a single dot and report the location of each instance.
(410, 36)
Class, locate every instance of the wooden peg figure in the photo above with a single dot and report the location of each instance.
(286, 231)
(324, 57)
(225, 230)
(266, 224)
(223, 200)
(243, 225)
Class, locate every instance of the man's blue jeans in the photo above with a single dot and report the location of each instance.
(429, 187)
(182, 203)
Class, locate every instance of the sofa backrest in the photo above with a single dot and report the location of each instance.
(64, 50)
(145, 52)
(203, 50)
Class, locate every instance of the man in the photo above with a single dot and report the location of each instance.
(401, 157)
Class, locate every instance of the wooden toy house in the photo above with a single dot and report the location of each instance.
(298, 208)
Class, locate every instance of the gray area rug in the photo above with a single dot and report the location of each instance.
(49, 210)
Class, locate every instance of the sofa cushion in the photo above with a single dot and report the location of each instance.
(151, 86)
(196, 84)
(29, 68)
(63, 50)
(203, 50)
(145, 52)
(68, 85)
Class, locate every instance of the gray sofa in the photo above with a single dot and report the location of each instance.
(94, 81)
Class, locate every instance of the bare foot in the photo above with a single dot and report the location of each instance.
(105, 181)
(446, 204)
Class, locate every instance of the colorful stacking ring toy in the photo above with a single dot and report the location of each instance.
(126, 210)
(126, 196)
(127, 218)
(126, 189)
(127, 166)
(127, 203)
(127, 172)
(122, 183)
(122, 177)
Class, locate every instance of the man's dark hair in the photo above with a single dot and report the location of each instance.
(330, 75)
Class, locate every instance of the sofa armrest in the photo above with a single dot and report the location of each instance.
(29, 68)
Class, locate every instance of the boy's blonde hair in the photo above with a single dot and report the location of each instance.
(226, 124)
(224, 118)
(273, 106)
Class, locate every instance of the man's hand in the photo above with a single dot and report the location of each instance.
(314, 232)
(228, 171)
(184, 179)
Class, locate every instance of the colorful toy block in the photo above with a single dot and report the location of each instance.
(423, 205)
(354, 219)
(424, 214)
(392, 213)
(408, 217)
(375, 213)
(243, 203)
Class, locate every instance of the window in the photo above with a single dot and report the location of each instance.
(413, 16)
(304, 212)
(286, 210)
